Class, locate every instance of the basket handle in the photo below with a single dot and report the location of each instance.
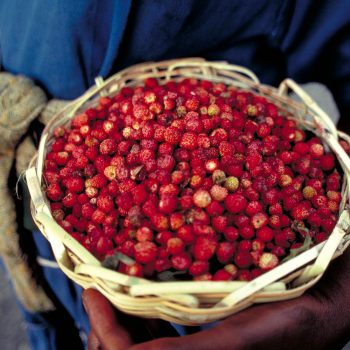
(310, 103)
(269, 277)
(326, 254)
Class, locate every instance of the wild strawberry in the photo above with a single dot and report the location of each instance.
(284, 180)
(189, 141)
(222, 275)
(213, 109)
(201, 198)
(219, 223)
(275, 221)
(253, 160)
(105, 203)
(181, 261)
(145, 252)
(98, 216)
(231, 233)
(59, 131)
(243, 259)
(235, 203)
(254, 207)
(211, 165)
(134, 270)
(328, 225)
(218, 193)
(58, 214)
(271, 196)
(302, 166)
(333, 206)
(142, 112)
(232, 183)
(54, 192)
(163, 237)
(319, 201)
(259, 220)
(327, 162)
(316, 150)
(245, 245)
(160, 222)
(218, 176)
(301, 211)
(168, 204)
(276, 209)
(175, 245)
(301, 148)
(320, 237)
(268, 261)
(258, 245)
(204, 248)
(309, 192)
(314, 219)
(333, 182)
(69, 200)
(75, 184)
(334, 196)
(61, 158)
(108, 146)
(265, 234)
(103, 245)
(172, 135)
(176, 221)
(199, 268)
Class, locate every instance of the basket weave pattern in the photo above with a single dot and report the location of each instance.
(193, 303)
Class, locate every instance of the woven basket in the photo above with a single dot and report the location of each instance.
(193, 303)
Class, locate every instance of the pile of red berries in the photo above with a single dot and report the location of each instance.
(194, 177)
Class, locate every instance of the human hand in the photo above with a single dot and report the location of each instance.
(317, 320)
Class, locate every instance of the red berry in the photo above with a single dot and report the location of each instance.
(259, 220)
(235, 203)
(316, 150)
(268, 261)
(327, 162)
(105, 203)
(199, 268)
(175, 245)
(231, 233)
(172, 135)
(225, 252)
(204, 248)
(301, 211)
(201, 198)
(145, 252)
(54, 192)
(108, 146)
(189, 141)
(181, 261)
(243, 259)
(265, 234)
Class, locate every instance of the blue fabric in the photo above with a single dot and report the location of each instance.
(65, 44)
(68, 293)
(62, 327)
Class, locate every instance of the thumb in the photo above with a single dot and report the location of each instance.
(104, 324)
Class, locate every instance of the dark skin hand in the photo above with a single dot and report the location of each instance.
(317, 320)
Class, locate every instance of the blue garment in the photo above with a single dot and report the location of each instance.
(62, 44)
(65, 44)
